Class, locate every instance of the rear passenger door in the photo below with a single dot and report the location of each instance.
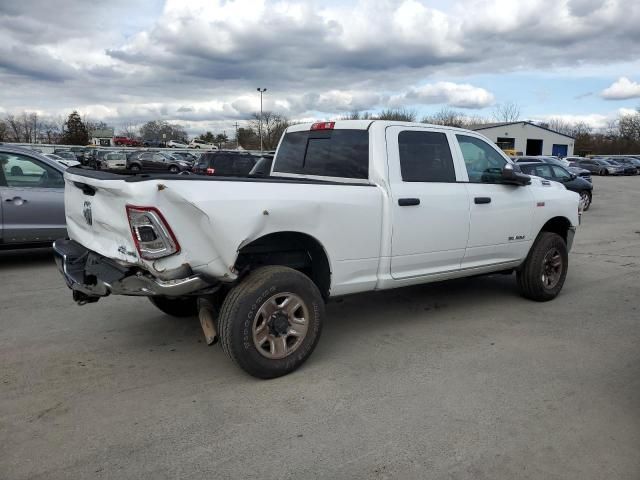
(500, 214)
(429, 209)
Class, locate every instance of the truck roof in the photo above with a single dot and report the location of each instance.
(366, 124)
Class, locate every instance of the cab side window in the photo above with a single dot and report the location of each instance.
(22, 171)
(425, 157)
(484, 164)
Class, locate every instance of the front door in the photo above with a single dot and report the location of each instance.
(429, 209)
(500, 215)
(32, 195)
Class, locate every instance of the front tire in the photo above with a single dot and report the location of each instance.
(271, 322)
(173, 169)
(176, 307)
(543, 273)
(585, 200)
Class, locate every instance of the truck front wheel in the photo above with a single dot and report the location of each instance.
(542, 275)
(176, 307)
(271, 322)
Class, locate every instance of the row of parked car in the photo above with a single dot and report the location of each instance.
(608, 165)
(216, 162)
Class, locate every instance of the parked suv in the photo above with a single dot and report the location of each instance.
(226, 164)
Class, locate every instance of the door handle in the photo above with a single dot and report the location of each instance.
(482, 200)
(17, 200)
(408, 202)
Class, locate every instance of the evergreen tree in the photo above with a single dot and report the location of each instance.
(75, 131)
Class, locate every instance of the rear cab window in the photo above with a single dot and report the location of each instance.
(339, 153)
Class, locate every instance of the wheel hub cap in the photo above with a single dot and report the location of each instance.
(551, 268)
(280, 325)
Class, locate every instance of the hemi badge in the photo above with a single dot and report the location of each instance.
(540, 204)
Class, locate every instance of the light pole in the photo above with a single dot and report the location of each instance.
(261, 90)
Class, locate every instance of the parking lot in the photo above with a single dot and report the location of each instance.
(463, 379)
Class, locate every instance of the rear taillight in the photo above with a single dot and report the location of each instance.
(151, 233)
(323, 126)
(211, 171)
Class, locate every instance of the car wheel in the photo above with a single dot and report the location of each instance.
(585, 200)
(271, 322)
(176, 307)
(173, 169)
(197, 146)
(542, 274)
(604, 172)
(134, 168)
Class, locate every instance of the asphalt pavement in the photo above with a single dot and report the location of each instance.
(457, 380)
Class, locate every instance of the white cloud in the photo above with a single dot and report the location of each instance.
(452, 94)
(622, 89)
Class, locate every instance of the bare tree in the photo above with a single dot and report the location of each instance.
(273, 126)
(15, 128)
(506, 112)
(129, 130)
(3, 131)
(399, 114)
(446, 116)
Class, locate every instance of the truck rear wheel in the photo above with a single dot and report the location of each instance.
(177, 307)
(542, 275)
(271, 322)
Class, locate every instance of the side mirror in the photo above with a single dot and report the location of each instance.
(573, 176)
(513, 177)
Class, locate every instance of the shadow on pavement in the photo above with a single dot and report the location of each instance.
(27, 257)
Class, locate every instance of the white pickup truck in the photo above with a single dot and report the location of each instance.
(348, 206)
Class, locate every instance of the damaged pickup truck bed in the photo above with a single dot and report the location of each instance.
(349, 206)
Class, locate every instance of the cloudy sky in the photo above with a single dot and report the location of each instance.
(199, 62)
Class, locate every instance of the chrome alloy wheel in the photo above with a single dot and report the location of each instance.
(585, 201)
(280, 326)
(551, 268)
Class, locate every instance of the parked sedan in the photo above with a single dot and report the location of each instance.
(157, 162)
(559, 174)
(65, 155)
(564, 163)
(62, 161)
(176, 144)
(32, 196)
(599, 166)
(628, 166)
(225, 164)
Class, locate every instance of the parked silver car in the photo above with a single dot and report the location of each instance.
(32, 196)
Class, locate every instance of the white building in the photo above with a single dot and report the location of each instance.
(526, 138)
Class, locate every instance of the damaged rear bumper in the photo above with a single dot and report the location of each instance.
(92, 276)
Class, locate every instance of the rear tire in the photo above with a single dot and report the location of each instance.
(176, 307)
(604, 172)
(271, 322)
(173, 169)
(543, 273)
(135, 168)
